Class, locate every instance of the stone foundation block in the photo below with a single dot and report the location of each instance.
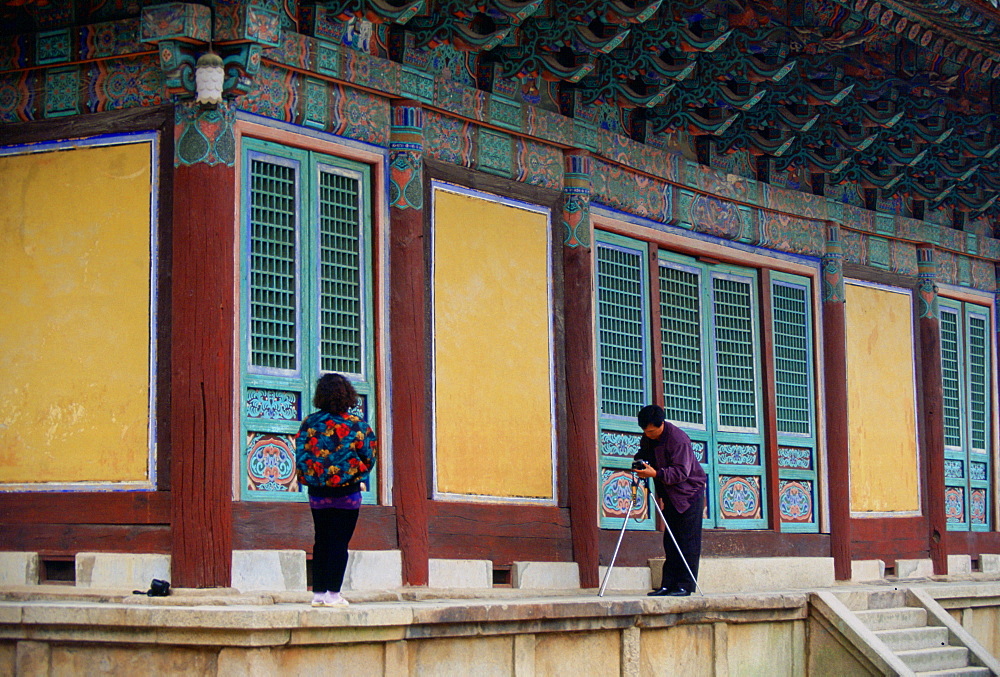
(374, 570)
(18, 568)
(627, 578)
(460, 573)
(545, 575)
(989, 563)
(759, 574)
(867, 570)
(914, 568)
(269, 570)
(120, 570)
(959, 565)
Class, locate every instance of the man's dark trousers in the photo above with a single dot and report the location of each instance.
(686, 527)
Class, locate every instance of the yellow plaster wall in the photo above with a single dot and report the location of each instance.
(492, 355)
(74, 325)
(881, 401)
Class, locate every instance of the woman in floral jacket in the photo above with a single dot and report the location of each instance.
(334, 453)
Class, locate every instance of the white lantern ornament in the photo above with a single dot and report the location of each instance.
(208, 77)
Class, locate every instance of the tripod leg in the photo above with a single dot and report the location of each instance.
(621, 535)
(676, 544)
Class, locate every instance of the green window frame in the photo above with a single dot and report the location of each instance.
(712, 312)
(966, 372)
(711, 372)
(306, 302)
(623, 355)
(795, 391)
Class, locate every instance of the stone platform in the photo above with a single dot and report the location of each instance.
(63, 630)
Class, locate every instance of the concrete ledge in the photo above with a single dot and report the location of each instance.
(628, 578)
(914, 568)
(460, 573)
(255, 570)
(959, 565)
(119, 570)
(18, 568)
(545, 575)
(867, 570)
(374, 570)
(759, 574)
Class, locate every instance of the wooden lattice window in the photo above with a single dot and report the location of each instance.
(966, 370)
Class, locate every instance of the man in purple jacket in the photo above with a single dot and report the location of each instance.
(680, 486)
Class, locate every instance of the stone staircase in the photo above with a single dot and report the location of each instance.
(924, 649)
(905, 632)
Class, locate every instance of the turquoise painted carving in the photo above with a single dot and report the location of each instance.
(204, 135)
(576, 200)
(406, 149)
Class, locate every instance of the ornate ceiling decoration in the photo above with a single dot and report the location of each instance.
(895, 95)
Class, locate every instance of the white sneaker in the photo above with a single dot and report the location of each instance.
(328, 599)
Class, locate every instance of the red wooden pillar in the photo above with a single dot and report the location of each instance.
(835, 379)
(408, 305)
(201, 347)
(932, 388)
(581, 394)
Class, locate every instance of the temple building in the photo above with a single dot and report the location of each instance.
(511, 223)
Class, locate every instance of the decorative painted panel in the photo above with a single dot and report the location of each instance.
(739, 497)
(273, 404)
(978, 507)
(270, 462)
(795, 501)
(618, 444)
(978, 471)
(954, 469)
(738, 454)
(797, 458)
(700, 451)
(954, 504)
(616, 495)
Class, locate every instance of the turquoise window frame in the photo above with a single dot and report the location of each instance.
(792, 444)
(619, 434)
(966, 342)
(273, 401)
(712, 435)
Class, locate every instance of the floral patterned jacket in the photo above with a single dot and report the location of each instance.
(334, 450)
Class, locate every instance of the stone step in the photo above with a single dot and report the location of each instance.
(893, 619)
(941, 658)
(968, 671)
(914, 638)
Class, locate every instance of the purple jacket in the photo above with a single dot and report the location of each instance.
(679, 475)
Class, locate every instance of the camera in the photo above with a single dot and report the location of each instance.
(638, 465)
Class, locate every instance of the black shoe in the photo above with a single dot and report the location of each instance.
(659, 592)
(678, 592)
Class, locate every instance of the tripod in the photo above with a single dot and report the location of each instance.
(621, 535)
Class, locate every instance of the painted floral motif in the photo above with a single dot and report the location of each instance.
(739, 497)
(798, 458)
(616, 495)
(738, 454)
(622, 445)
(272, 404)
(795, 502)
(954, 504)
(270, 462)
(977, 506)
(954, 469)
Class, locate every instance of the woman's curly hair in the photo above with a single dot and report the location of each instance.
(335, 394)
